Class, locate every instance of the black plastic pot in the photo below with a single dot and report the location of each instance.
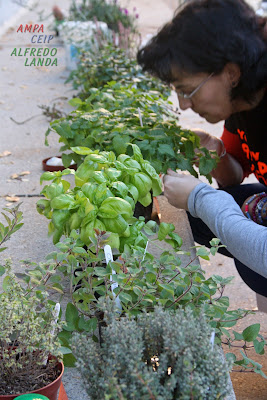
(142, 211)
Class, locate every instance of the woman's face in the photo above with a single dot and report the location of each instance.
(211, 98)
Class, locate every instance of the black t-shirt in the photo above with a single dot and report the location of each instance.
(251, 127)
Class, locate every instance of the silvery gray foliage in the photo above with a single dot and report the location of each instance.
(161, 355)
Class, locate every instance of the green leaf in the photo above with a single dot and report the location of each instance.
(69, 360)
(75, 102)
(66, 160)
(72, 316)
(226, 332)
(146, 200)
(251, 332)
(206, 165)
(166, 149)
(137, 152)
(142, 182)
(215, 242)
(79, 250)
(168, 288)
(230, 357)
(150, 277)
(178, 240)
(101, 271)
(47, 176)
(6, 282)
(65, 350)
(120, 143)
(89, 325)
(202, 252)
(81, 150)
(63, 129)
(2, 270)
(238, 336)
(259, 346)
(164, 230)
(58, 288)
(125, 297)
(115, 205)
(62, 202)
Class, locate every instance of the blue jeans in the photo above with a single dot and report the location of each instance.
(202, 235)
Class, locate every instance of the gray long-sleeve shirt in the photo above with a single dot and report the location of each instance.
(245, 240)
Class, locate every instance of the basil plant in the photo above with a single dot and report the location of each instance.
(107, 189)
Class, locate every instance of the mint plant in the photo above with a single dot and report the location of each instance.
(108, 120)
(143, 283)
(111, 63)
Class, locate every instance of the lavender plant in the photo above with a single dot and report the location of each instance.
(161, 355)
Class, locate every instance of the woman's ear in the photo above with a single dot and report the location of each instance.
(232, 73)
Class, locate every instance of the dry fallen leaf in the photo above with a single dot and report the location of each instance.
(5, 153)
(13, 199)
(19, 175)
(23, 86)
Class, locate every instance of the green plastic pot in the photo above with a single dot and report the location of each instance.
(32, 397)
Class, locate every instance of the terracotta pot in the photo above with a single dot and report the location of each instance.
(53, 168)
(49, 391)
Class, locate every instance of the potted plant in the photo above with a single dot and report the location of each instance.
(141, 283)
(109, 12)
(109, 119)
(107, 189)
(111, 63)
(160, 355)
(29, 350)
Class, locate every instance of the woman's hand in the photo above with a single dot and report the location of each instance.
(228, 170)
(177, 188)
(211, 143)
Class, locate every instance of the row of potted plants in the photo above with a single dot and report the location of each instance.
(117, 305)
(138, 327)
(157, 290)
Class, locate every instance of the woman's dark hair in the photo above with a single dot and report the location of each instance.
(204, 36)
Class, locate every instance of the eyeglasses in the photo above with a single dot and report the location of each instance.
(183, 95)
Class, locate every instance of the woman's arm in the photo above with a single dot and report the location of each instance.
(245, 240)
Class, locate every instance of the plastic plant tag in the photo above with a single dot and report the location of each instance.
(140, 117)
(56, 314)
(109, 258)
(212, 337)
(53, 325)
(145, 251)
